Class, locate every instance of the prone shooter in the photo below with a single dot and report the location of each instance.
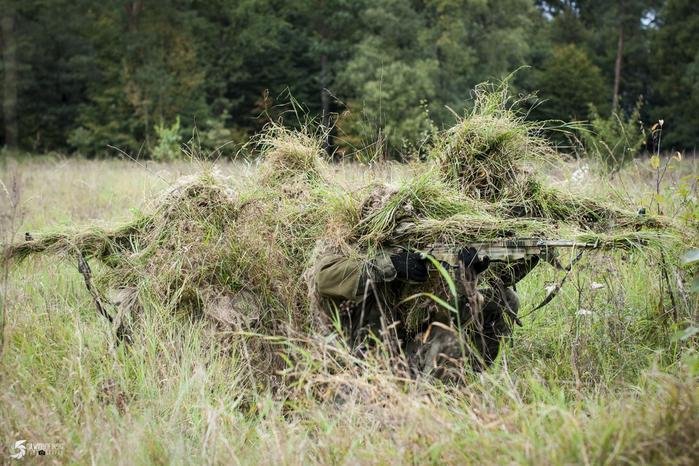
(427, 306)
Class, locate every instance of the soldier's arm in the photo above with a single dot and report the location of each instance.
(345, 277)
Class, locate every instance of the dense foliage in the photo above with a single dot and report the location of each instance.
(81, 75)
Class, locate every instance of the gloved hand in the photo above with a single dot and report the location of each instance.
(468, 257)
(410, 266)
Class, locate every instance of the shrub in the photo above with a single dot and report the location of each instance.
(217, 139)
(614, 141)
(81, 139)
(169, 138)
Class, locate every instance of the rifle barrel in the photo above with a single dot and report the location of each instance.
(510, 250)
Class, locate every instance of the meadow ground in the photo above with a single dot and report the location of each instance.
(602, 375)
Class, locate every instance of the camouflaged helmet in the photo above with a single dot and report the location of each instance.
(376, 199)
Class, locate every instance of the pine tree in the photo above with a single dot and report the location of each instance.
(390, 77)
(568, 83)
(675, 61)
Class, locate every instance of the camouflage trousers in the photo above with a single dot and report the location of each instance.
(444, 350)
(441, 349)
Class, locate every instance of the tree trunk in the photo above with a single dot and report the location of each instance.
(9, 56)
(617, 67)
(325, 101)
(133, 10)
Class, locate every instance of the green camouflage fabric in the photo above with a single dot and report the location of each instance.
(364, 296)
(338, 276)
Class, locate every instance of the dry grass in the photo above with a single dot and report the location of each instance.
(608, 385)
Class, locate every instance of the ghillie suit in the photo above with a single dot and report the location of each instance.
(476, 187)
(244, 259)
(205, 250)
(384, 292)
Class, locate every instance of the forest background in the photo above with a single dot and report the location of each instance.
(88, 76)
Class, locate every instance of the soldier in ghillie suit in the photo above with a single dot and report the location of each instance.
(388, 295)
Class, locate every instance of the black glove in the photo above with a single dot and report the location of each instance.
(410, 266)
(468, 257)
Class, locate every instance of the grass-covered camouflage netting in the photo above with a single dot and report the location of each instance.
(239, 257)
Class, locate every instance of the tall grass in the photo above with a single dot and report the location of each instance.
(596, 377)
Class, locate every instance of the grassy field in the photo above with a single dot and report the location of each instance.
(599, 376)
